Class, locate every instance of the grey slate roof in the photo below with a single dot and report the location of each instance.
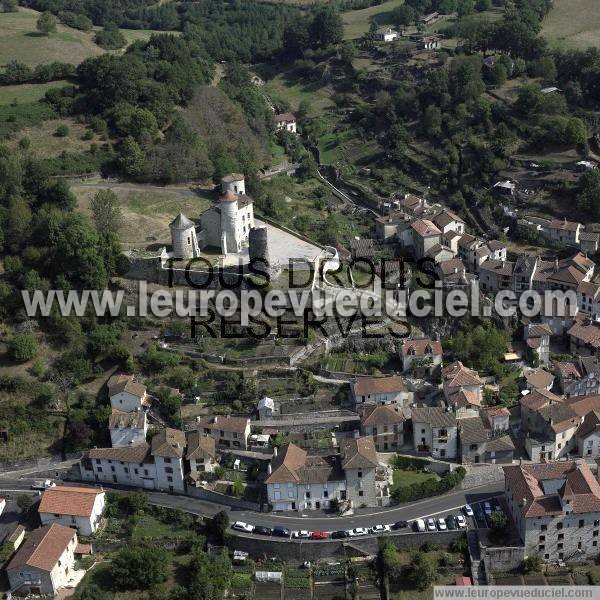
(436, 416)
(181, 222)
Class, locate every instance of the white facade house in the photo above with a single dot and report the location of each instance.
(45, 562)
(266, 408)
(421, 352)
(78, 507)
(201, 455)
(127, 429)
(435, 431)
(386, 34)
(126, 394)
(228, 432)
(159, 467)
(285, 122)
(556, 509)
(379, 390)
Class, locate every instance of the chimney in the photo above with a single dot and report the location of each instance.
(269, 469)
(274, 451)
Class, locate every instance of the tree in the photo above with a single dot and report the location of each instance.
(110, 37)
(588, 197)
(9, 6)
(421, 571)
(483, 5)
(24, 502)
(499, 527)
(62, 131)
(326, 28)
(139, 568)
(46, 23)
(106, 212)
(210, 575)
(23, 347)
(219, 525)
(237, 488)
(532, 564)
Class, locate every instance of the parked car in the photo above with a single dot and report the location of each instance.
(461, 521)
(431, 525)
(468, 510)
(280, 531)
(43, 485)
(419, 525)
(451, 522)
(441, 523)
(487, 508)
(301, 534)
(381, 529)
(260, 529)
(319, 535)
(358, 531)
(339, 534)
(400, 525)
(241, 526)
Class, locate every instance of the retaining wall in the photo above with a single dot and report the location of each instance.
(218, 498)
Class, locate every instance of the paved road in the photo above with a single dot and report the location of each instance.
(439, 505)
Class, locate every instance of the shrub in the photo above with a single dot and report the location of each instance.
(23, 347)
(62, 131)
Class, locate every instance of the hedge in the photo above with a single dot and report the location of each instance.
(409, 462)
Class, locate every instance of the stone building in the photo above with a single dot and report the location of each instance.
(201, 454)
(183, 237)
(228, 432)
(126, 394)
(378, 390)
(127, 428)
(435, 431)
(556, 509)
(385, 424)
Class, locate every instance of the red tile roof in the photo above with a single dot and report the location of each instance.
(42, 549)
(224, 423)
(69, 500)
(456, 374)
(425, 228)
(421, 347)
(364, 386)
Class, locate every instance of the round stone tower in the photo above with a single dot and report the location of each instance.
(234, 182)
(183, 237)
(230, 230)
(258, 248)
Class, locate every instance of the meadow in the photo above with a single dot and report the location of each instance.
(573, 24)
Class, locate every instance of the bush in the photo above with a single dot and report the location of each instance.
(23, 347)
(429, 488)
(61, 131)
(408, 463)
(140, 568)
(532, 564)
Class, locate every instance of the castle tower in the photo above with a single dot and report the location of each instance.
(258, 248)
(234, 182)
(183, 237)
(230, 234)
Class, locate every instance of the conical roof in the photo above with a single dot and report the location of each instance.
(181, 222)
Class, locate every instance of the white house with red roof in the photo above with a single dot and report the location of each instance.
(422, 352)
(379, 390)
(79, 507)
(462, 385)
(556, 509)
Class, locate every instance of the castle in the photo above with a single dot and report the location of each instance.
(225, 226)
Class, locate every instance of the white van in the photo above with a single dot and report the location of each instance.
(420, 525)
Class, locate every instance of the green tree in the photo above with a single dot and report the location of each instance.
(10, 6)
(132, 158)
(499, 527)
(326, 28)
(110, 37)
(139, 568)
(210, 575)
(24, 502)
(23, 347)
(46, 23)
(421, 571)
(106, 212)
(588, 196)
(62, 131)
(237, 488)
(219, 525)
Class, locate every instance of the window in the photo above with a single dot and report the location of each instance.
(126, 470)
(167, 460)
(136, 471)
(595, 534)
(360, 473)
(541, 547)
(307, 495)
(361, 493)
(561, 536)
(559, 526)
(595, 543)
(99, 469)
(97, 461)
(168, 469)
(542, 538)
(325, 494)
(169, 479)
(581, 523)
(560, 545)
(544, 527)
(546, 556)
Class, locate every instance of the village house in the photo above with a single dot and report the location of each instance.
(588, 242)
(386, 34)
(285, 122)
(435, 431)
(126, 394)
(201, 454)
(159, 467)
(45, 562)
(579, 377)
(78, 507)
(498, 419)
(378, 390)
(298, 480)
(537, 339)
(168, 449)
(385, 424)
(588, 299)
(479, 444)
(505, 188)
(127, 428)
(584, 337)
(265, 408)
(549, 425)
(461, 385)
(446, 221)
(496, 275)
(537, 379)
(523, 272)
(229, 432)
(588, 436)
(421, 354)
(555, 507)
(428, 42)
(420, 236)
(386, 227)
(562, 232)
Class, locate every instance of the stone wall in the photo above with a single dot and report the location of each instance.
(286, 549)
(218, 498)
(501, 560)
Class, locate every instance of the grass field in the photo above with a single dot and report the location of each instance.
(27, 92)
(20, 40)
(288, 89)
(405, 478)
(573, 24)
(357, 22)
(147, 210)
